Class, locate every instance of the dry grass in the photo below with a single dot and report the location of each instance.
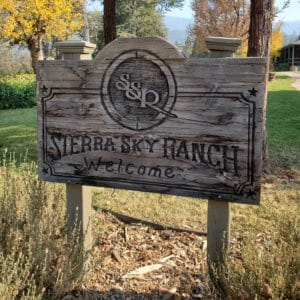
(264, 261)
(36, 259)
(166, 210)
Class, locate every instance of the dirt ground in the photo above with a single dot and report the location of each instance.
(133, 261)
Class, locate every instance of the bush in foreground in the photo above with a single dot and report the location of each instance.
(38, 262)
(17, 91)
(264, 259)
(36, 258)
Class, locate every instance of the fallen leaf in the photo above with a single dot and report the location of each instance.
(142, 271)
(171, 292)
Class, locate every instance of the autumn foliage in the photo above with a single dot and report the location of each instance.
(276, 42)
(30, 22)
(225, 18)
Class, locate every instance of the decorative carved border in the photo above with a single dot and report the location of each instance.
(244, 192)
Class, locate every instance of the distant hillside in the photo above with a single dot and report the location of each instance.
(291, 27)
(291, 31)
(178, 29)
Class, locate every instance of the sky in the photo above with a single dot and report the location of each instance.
(292, 13)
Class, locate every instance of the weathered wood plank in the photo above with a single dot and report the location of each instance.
(142, 117)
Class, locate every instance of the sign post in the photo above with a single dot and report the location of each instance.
(78, 197)
(79, 213)
(218, 213)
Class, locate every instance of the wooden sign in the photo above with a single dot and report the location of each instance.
(140, 116)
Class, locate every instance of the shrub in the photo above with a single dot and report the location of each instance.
(282, 67)
(17, 91)
(14, 59)
(264, 261)
(37, 260)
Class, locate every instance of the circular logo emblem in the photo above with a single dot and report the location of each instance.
(138, 90)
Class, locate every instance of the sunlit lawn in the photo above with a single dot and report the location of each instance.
(283, 122)
(18, 129)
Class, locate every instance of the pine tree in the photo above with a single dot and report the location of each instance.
(138, 18)
(260, 30)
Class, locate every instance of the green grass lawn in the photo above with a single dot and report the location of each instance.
(18, 132)
(283, 122)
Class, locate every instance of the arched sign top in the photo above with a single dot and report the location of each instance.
(158, 46)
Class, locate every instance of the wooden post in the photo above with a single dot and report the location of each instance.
(293, 67)
(79, 213)
(218, 214)
(79, 202)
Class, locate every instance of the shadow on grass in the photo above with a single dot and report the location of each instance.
(281, 76)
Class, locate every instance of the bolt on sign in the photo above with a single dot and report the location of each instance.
(140, 116)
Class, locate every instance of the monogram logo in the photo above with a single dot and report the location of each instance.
(139, 91)
(134, 91)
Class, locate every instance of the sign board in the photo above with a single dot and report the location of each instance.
(140, 116)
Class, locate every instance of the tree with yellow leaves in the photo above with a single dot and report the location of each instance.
(225, 18)
(32, 21)
(276, 42)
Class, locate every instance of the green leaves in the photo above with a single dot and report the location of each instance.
(17, 91)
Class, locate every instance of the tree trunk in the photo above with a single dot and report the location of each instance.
(260, 29)
(133, 15)
(260, 32)
(109, 21)
(35, 47)
(86, 28)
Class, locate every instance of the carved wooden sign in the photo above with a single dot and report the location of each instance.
(140, 116)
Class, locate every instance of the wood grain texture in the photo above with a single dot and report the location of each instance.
(140, 116)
